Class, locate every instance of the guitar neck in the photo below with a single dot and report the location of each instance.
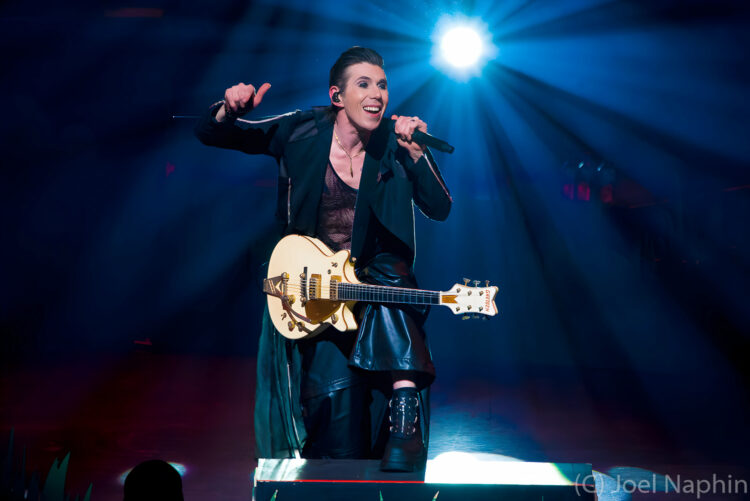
(384, 294)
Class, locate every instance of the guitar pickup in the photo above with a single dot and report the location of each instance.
(303, 282)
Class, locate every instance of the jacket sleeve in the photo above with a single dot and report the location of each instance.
(262, 136)
(430, 192)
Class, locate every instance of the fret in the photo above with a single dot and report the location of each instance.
(385, 294)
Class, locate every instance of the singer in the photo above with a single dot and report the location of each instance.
(349, 178)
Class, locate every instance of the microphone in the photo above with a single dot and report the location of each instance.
(425, 139)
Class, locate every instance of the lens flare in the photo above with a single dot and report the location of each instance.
(461, 46)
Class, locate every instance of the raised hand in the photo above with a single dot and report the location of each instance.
(240, 99)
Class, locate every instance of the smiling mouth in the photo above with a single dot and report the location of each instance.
(372, 110)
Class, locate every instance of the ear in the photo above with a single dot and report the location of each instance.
(333, 90)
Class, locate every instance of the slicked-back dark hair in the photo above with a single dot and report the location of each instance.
(351, 56)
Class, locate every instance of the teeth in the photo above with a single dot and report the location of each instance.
(372, 109)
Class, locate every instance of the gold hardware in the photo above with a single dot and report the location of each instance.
(285, 276)
(291, 298)
(283, 315)
(466, 282)
(334, 318)
(458, 289)
(291, 325)
(486, 283)
(468, 307)
(352, 260)
(334, 264)
(480, 308)
(458, 308)
(469, 293)
(465, 317)
(481, 293)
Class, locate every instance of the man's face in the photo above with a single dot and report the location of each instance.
(365, 96)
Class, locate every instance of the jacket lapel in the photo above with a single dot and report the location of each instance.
(312, 176)
(374, 154)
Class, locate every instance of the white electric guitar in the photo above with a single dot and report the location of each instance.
(310, 287)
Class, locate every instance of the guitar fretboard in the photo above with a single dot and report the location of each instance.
(384, 294)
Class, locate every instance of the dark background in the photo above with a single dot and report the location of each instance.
(600, 179)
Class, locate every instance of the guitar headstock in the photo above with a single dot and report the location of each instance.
(471, 301)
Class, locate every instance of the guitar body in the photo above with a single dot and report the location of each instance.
(299, 273)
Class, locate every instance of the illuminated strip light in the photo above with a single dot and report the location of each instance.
(462, 467)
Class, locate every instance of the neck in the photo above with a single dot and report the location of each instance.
(352, 138)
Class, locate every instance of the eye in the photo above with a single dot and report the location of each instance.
(383, 85)
(363, 84)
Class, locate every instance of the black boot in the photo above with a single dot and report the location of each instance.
(405, 450)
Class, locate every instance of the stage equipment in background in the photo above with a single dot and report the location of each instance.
(587, 180)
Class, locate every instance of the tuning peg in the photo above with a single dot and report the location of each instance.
(466, 317)
(466, 281)
(476, 283)
(486, 283)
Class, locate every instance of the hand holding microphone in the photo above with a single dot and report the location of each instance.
(404, 127)
(411, 133)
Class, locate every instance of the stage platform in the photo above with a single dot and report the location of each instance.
(450, 476)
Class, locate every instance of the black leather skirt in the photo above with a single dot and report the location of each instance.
(392, 337)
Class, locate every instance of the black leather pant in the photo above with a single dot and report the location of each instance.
(348, 423)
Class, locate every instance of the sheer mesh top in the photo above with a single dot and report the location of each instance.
(336, 212)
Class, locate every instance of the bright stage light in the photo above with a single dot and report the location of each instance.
(461, 46)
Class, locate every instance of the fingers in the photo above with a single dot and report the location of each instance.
(245, 94)
(237, 97)
(241, 98)
(230, 100)
(405, 127)
(261, 92)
